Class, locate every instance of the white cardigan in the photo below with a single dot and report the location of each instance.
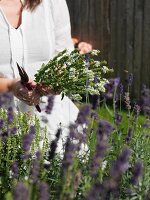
(42, 34)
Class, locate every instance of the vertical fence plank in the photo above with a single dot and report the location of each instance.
(129, 34)
(121, 37)
(84, 17)
(98, 26)
(105, 28)
(138, 35)
(113, 34)
(93, 22)
(145, 72)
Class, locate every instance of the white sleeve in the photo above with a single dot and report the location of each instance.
(62, 26)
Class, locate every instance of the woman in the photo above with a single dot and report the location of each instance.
(6, 85)
(31, 33)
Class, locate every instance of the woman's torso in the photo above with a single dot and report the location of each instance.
(32, 44)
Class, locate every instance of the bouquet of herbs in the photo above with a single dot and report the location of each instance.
(74, 74)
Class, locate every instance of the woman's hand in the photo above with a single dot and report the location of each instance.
(44, 90)
(84, 47)
(22, 93)
(30, 97)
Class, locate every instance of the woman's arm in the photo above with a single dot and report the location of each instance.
(6, 84)
(20, 91)
(62, 26)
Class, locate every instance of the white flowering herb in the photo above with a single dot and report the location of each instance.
(74, 74)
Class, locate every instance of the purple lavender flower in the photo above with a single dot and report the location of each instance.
(121, 164)
(137, 110)
(86, 57)
(50, 104)
(38, 155)
(95, 191)
(129, 192)
(116, 81)
(25, 156)
(5, 98)
(83, 137)
(32, 130)
(35, 168)
(100, 150)
(118, 118)
(10, 115)
(4, 136)
(127, 100)
(21, 192)
(104, 130)
(58, 133)
(129, 135)
(94, 115)
(43, 191)
(111, 185)
(15, 169)
(129, 79)
(2, 100)
(110, 87)
(73, 133)
(146, 124)
(83, 115)
(70, 149)
(53, 145)
(27, 141)
(137, 172)
(7, 95)
(145, 100)
(87, 66)
(44, 119)
(112, 84)
(120, 88)
(95, 101)
(1, 123)
(95, 79)
(110, 188)
(13, 130)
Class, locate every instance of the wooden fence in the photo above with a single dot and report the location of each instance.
(121, 30)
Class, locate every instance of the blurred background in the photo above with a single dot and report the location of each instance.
(120, 29)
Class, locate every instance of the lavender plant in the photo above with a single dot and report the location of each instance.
(74, 74)
(114, 163)
(20, 139)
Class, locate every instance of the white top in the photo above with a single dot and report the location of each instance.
(42, 34)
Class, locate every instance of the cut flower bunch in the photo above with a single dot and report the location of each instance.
(74, 74)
